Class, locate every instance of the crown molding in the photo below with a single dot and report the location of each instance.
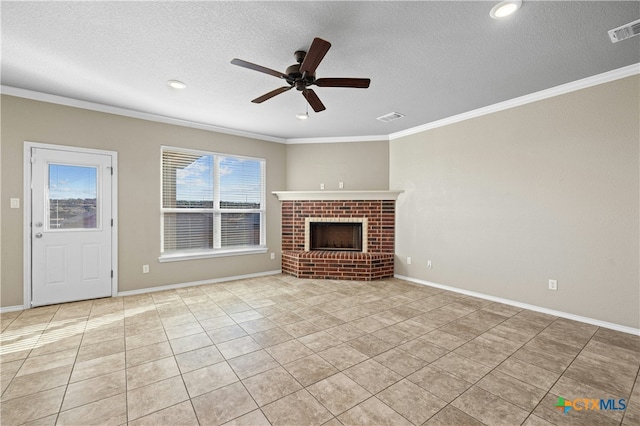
(584, 83)
(92, 106)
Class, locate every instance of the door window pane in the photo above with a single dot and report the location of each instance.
(73, 197)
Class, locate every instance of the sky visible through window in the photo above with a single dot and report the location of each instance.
(240, 180)
(72, 182)
(195, 182)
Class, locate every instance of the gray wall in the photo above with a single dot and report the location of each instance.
(138, 145)
(502, 203)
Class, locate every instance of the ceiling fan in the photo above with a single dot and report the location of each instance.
(303, 74)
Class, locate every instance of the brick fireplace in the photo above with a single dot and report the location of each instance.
(334, 257)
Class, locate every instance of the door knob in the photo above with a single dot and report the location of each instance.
(38, 224)
(38, 235)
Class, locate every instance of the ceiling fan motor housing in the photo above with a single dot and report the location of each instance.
(295, 76)
(299, 55)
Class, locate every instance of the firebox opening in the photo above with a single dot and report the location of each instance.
(336, 236)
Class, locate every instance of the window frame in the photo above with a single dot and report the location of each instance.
(216, 211)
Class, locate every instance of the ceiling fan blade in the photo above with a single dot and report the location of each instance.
(259, 68)
(358, 83)
(318, 49)
(313, 100)
(271, 94)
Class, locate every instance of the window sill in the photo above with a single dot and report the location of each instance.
(176, 257)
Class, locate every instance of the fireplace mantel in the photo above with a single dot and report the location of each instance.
(337, 195)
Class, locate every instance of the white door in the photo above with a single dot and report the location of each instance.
(71, 232)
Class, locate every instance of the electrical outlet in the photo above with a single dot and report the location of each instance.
(553, 284)
(273, 256)
(408, 260)
(15, 203)
(145, 269)
(322, 186)
(341, 185)
(429, 264)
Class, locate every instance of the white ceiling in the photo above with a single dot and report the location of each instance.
(427, 60)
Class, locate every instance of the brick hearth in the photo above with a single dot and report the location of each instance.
(375, 263)
(337, 265)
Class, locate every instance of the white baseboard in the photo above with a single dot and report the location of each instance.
(11, 309)
(592, 321)
(170, 287)
(599, 323)
(196, 283)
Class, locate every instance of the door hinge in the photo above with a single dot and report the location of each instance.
(33, 160)
(112, 222)
(112, 273)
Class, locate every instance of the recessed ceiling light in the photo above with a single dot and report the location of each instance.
(176, 84)
(505, 8)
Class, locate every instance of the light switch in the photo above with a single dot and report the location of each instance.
(15, 203)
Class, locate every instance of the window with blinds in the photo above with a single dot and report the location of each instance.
(211, 202)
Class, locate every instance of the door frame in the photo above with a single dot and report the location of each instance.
(27, 253)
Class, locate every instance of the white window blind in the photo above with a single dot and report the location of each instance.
(211, 202)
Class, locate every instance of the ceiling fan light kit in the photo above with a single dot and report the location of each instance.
(505, 8)
(303, 74)
(303, 115)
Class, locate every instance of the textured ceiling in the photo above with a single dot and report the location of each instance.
(427, 60)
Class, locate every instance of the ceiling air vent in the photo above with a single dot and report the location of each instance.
(390, 117)
(624, 32)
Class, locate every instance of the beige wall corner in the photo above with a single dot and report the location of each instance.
(502, 203)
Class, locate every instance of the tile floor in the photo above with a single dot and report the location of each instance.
(279, 350)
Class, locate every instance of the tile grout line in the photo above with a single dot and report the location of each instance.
(635, 383)
(280, 365)
(489, 372)
(72, 367)
(369, 358)
(226, 361)
(397, 346)
(548, 392)
(241, 293)
(297, 381)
